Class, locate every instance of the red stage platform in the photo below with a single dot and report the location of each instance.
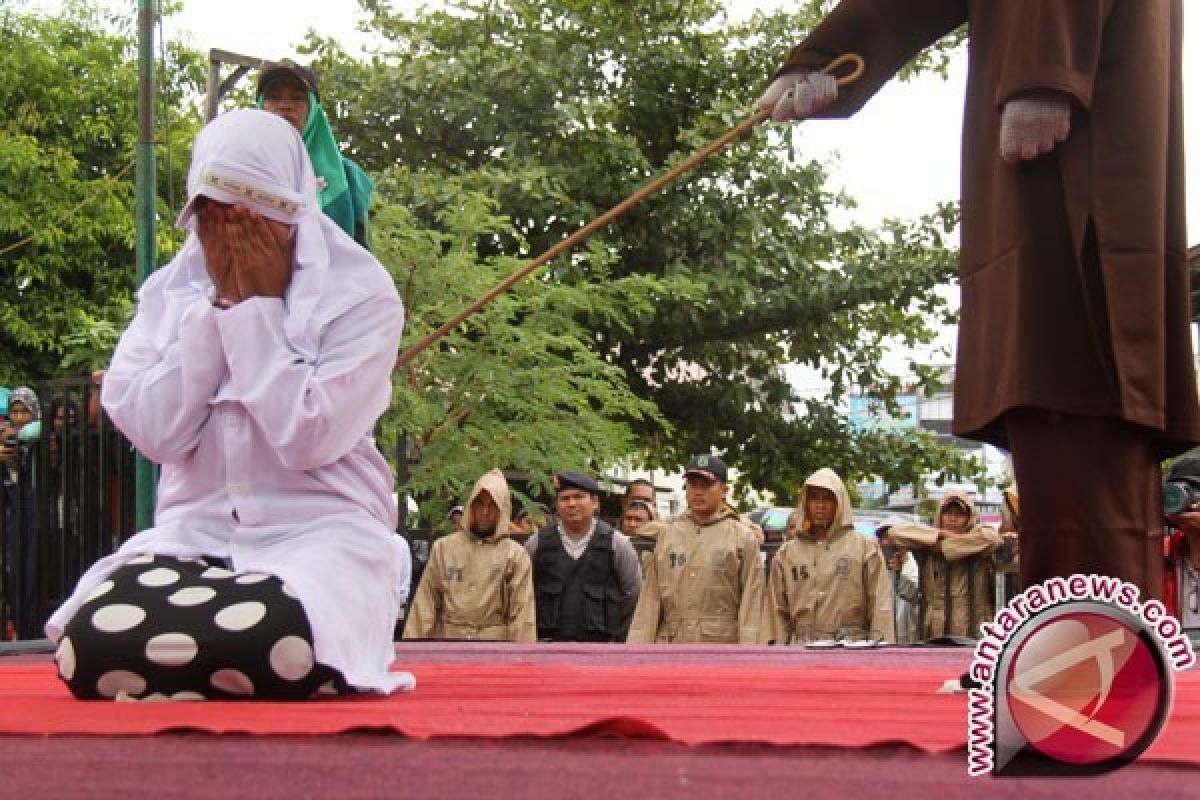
(686, 721)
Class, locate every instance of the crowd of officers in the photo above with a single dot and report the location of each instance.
(698, 577)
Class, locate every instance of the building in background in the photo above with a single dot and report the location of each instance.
(935, 414)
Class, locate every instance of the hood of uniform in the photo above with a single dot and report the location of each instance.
(826, 478)
(650, 530)
(1010, 511)
(963, 498)
(724, 511)
(753, 527)
(493, 483)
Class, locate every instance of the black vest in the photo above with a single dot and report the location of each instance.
(577, 601)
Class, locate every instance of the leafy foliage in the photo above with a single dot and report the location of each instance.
(519, 385)
(559, 111)
(68, 130)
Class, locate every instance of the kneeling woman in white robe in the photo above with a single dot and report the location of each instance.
(254, 372)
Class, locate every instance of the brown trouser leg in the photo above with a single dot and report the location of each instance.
(1090, 498)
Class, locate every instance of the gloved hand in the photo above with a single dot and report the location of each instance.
(799, 95)
(1033, 123)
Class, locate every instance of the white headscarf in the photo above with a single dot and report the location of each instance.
(255, 159)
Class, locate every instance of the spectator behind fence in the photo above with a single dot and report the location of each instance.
(905, 579)
(254, 371)
(641, 490)
(91, 471)
(586, 576)
(829, 583)
(705, 582)
(21, 545)
(957, 561)
(633, 524)
(527, 522)
(1181, 497)
(479, 582)
(793, 525)
(1008, 555)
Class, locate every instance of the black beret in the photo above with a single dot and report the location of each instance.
(575, 480)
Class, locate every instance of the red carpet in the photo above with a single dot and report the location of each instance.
(357, 766)
(692, 696)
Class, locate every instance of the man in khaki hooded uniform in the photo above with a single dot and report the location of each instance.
(830, 581)
(705, 582)
(479, 582)
(957, 561)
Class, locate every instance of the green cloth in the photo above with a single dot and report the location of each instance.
(350, 207)
(344, 190)
(323, 150)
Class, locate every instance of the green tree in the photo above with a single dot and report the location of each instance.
(68, 128)
(557, 111)
(520, 385)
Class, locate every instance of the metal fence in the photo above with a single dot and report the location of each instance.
(67, 498)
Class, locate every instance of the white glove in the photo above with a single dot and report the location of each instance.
(1033, 124)
(797, 96)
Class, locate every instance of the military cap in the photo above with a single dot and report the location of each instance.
(711, 467)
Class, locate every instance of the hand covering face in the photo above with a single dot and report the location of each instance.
(257, 160)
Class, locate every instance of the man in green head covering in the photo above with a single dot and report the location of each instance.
(344, 190)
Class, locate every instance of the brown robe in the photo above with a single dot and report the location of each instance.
(1073, 265)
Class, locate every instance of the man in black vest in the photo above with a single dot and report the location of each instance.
(586, 576)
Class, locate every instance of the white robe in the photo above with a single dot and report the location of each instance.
(261, 417)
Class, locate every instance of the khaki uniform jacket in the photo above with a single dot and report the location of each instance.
(704, 583)
(960, 569)
(822, 587)
(476, 588)
(644, 544)
(647, 539)
(1073, 266)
